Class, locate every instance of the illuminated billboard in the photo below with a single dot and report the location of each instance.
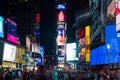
(9, 53)
(61, 37)
(61, 16)
(81, 44)
(71, 53)
(99, 55)
(61, 50)
(61, 60)
(110, 11)
(1, 27)
(118, 16)
(42, 54)
(61, 6)
(35, 48)
(87, 43)
(28, 43)
(12, 31)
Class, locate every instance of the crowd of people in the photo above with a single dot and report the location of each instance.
(43, 73)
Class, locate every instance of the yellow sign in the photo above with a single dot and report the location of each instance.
(23, 56)
(87, 42)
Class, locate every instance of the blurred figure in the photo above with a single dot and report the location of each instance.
(8, 75)
(41, 73)
(54, 74)
(118, 75)
(25, 73)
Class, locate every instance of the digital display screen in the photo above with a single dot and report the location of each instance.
(61, 6)
(61, 50)
(9, 52)
(1, 27)
(111, 8)
(81, 44)
(60, 37)
(61, 60)
(99, 55)
(11, 31)
(118, 16)
(71, 52)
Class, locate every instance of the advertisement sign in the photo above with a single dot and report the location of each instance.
(87, 43)
(12, 31)
(1, 27)
(71, 53)
(35, 48)
(111, 9)
(42, 54)
(81, 44)
(9, 52)
(61, 60)
(61, 37)
(18, 55)
(118, 16)
(99, 55)
(28, 43)
(61, 16)
(61, 50)
(61, 6)
(23, 55)
(61, 26)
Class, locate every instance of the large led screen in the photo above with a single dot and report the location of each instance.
(71, 53)
(61, 50)
(118, 16)
(9, 53)
(61, 37)
(11, 31)
(61, 60)
(100, 55)
(81, 44)
(1, 27)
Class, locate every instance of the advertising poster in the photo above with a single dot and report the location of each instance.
(118, 16)
(81, 44)
(71, 52)
(1, 27)
(9, 52)
(61, 37)
(99, 55)
(87, 43)
(18, 55)
(11, 31)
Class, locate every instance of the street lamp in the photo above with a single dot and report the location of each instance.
(108, 47)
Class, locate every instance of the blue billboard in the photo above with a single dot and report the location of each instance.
(1, 27)
(99, 55)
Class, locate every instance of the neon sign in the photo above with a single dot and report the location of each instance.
(61, 17)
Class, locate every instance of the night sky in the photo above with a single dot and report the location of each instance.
(48, 25)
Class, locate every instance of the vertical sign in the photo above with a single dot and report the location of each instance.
(1, 27)
(87, 42)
